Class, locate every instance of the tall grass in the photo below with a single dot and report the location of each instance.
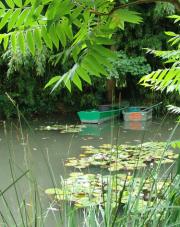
(29, 209)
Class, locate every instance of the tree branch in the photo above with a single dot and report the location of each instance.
(176, 3)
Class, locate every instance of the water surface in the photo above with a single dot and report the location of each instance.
(34, 149)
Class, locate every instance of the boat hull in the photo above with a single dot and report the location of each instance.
(137, 114)
(97, 117)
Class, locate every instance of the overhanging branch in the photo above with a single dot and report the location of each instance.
(176, 3)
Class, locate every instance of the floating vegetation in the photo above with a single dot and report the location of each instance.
(120, 189)
(123, 157)
(62, 128)
(83, 190)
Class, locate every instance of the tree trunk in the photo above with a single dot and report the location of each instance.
(111, 84)
(111, 90)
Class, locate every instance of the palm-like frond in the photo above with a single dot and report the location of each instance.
(166, 79)
(171, 55)
(174, 109)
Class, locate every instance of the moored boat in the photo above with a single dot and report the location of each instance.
(135, 113)
(97, 116)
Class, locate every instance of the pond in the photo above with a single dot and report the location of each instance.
(40, 150)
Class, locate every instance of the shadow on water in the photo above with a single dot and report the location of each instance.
(27, 150)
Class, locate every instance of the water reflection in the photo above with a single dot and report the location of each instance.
(95, 130)
(98, 130)
(137, 125)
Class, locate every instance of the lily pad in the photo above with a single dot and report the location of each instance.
(62, 128)
(83, 190)
(129, 156)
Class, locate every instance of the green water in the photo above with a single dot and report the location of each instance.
(29, 151)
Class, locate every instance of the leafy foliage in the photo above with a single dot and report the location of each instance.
(163, 9)
(16, 61)
(79, 29)
(174, 109)
(169, 78)
(124, 65)
(28, 73)
(25, 84)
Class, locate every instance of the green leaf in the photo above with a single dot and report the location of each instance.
(163, 79)
(30, 19)
(5, 18)
(75, 51)
(52, 81)
(120, 16)
(121, 24)
(37, 39)
(22, 17)
(128, 16)
(1, 38)
(76, 80)
(100, 68)
(174, 40)
(13, 19)
(175, 144)
(161, 73)
(46, 1)
(72, 71)
(101, 59)
(53, 35)
(63, 8)
(21, 42)
(30, 42)
(170, 33)
(2, 12)
(67, 28)
(2, 5)
(61, 34)
(46, 37)
(27, 2)
(67, 83)
(18, 3)
(10, 3)
(35, 2)
(176, 17)
(90, 67)
(77, 23)
(81, 35)
(38, 11)
(57, 9)
(104, 51)
(103, 40)
(61, 79)
(6, 41)
(83, 74)
(76, 12)
(51, 10)
(13, 41)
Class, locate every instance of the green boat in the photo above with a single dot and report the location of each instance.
(97, 116)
